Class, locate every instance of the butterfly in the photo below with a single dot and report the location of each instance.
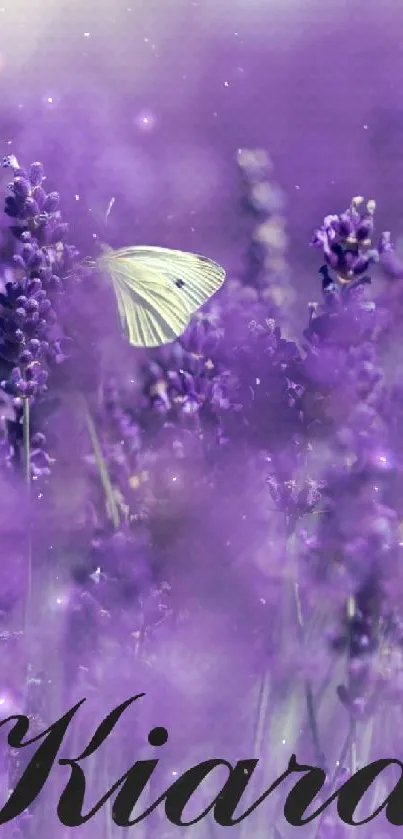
(158, 290)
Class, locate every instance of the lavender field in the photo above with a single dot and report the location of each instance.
(217, 522)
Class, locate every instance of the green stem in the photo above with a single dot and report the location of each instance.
(310, 703)
(27, 446)
(309, 697)
(263, 704)
(351, 610)
(27, 470)
(260, 727)
(103, 470)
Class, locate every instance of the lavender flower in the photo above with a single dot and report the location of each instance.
(30, 336)
(259, 476)
(346, 241)
(179, 380)
(266, 271)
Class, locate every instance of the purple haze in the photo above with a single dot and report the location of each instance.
(247, 568)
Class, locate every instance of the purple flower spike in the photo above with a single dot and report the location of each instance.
(30, 207)
(36, 174)
(21, 188)
(51, 202)
(263, 467)
(346, 242)
(30, 326)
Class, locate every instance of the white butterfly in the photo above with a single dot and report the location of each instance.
(158, 290)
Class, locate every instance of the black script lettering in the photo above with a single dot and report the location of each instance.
(303, 794)
(178, 795)
(157, 736)
(35, 775)
(230, 795)
(228, 799)
(71, 801)
(135, 781)
(351, 793)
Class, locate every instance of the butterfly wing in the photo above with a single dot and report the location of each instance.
(196, 277)
(158, 290)
(151, 311)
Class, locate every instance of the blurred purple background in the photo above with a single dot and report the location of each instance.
(149, 101)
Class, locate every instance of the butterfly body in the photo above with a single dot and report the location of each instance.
(158, 290)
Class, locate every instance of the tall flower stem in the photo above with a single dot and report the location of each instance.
(351, 610)
(27, 471)
(310, 703)
(111, 504)
(301, 628)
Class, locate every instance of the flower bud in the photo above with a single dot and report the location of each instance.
(51, 202)
(36, 173)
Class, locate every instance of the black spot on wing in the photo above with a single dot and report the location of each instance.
(179, 283)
